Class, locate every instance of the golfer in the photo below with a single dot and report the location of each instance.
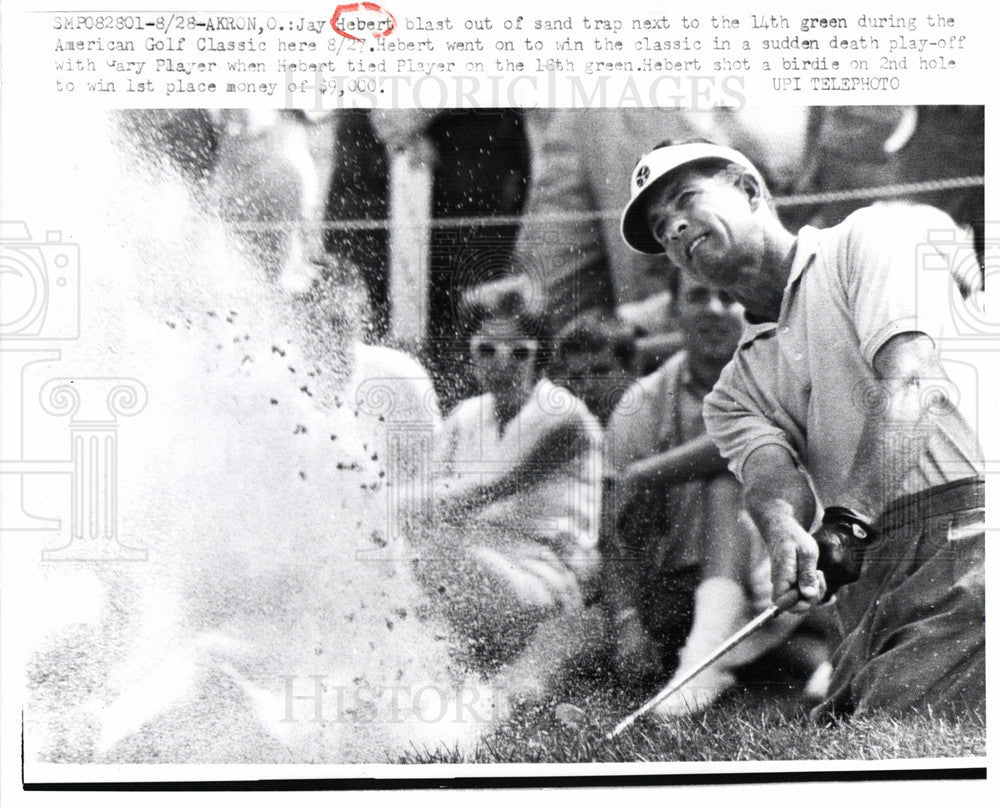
(835, 414)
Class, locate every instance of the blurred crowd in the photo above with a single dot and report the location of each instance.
(584, 512)
(538, 193)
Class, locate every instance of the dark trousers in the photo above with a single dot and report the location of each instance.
(914, 624)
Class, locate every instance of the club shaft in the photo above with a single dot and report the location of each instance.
(760, 620)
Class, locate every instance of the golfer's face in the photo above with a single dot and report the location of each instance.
(705, 226)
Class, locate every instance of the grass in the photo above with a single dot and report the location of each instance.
(761, 722)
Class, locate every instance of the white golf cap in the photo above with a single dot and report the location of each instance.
(652, 168)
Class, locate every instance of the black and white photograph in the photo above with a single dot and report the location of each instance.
(512, 435)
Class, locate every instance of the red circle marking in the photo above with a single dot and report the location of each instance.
(349, 7)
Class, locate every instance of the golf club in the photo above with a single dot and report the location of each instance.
(786, 601)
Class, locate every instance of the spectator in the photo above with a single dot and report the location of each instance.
(849, 147)
(509, 546)
(480, 167)
(359, 190)
(684, 562)
(949, 141)
(869, 146)
(594, 359)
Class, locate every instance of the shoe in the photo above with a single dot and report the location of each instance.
(818, 685)
(697, 695)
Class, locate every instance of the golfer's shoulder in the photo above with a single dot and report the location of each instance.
(892, 223)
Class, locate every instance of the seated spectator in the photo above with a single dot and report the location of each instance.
(593, 359)
(508, 545)
(949, 141)
(684, 566)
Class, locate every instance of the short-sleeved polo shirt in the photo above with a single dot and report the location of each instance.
(807, 382)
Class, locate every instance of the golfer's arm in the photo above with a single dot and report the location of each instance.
(896, 433)
(776, 491)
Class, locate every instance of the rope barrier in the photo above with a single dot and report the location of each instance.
(789, 201)
(879, 192)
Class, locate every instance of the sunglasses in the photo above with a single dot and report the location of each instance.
(520, 350)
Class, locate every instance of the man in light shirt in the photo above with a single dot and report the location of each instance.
(834, 398)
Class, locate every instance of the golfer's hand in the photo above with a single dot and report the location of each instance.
(794, 554)
(839, 560)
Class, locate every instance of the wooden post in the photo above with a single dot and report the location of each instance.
(409, 241)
